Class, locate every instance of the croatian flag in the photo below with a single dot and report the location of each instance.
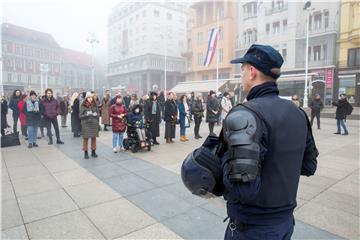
(213, 38)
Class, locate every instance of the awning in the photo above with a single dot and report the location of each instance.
(197, 86)
(295, 77)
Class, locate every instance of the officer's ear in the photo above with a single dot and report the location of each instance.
(253, 72)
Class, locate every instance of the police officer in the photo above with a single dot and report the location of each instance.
(263, 148)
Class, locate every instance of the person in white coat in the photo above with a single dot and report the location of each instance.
(225, 105)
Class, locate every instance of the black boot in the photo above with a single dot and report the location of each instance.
(59, 141)
(86, 155)
(30, 145)
(50, 141)
(93, 154)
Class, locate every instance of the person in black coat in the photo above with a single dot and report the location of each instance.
(13, 105)
(316, 106)
(212, 112)
(170, 118)
(127, 100)
(152, 115)
(161, 100)
(198, 112)
(4, 112)
(75, 118)
(343, 109)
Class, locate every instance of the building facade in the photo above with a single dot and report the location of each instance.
(202, 18)
(23, 50)
(142, 37)
(282, 24)
(347, 78)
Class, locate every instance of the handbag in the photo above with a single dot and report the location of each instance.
(187, 121)
(10, 139)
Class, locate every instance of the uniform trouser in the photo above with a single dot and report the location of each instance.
(341, 124)
(317, 115)
(32, 134)
(54, 122)
(63, 120)
(16, 119)
(86, 143)
(197, 121)
(282, 231)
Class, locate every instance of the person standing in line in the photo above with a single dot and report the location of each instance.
(4, 112)
(105, 110)
(64, 110)
(316, 106)
(170, 118)
(89, 115)
(184, 121)
(212, 110)
(118, 114)
(51, 111)
(33, 110)
(295, 100)
(13, 105)
(191, 101)
(75, 112)
(21, 104)
(161, 101)
(152, 115)
(343, 108)
(225, 106)
(134, 101)
(127, 100)
(198, 113)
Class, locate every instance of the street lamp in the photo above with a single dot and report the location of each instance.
(92, 40)
(306, 8)
(165, 36)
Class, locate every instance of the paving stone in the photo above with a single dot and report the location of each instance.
(46, 204)
(18, 232)
(197, 224)
(27, 171)
(179, 190)
(331, 173)
(217, 208)
(35, 185)
(318, 181)
(117, 218)
(159, 176)
(74, 177)
(19, 159)
(10, 214)
(135, 165)
(92, 193)
(61, 165)
(344, 187)
(107, 170)
(305, 231)
(7, 191)
(4, 175)
(72, 225)
(160, 204)
(128, 184)
(156, 231)
(91, 162)
(329, 219)
(308, 192)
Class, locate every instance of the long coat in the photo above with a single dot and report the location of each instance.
(182, 114)
(89, 123)
(75, 118)
(153, 119)
(22, 113)
(170, 111)
(197, 109)
(4, 112)
(105, 111)
(118, 124)
(212, 105)
(342, 109)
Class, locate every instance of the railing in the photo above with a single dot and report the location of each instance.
(312, 63)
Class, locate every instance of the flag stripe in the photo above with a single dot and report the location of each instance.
(211, 47)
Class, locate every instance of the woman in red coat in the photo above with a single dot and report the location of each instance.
(21, 104)
(118, 114)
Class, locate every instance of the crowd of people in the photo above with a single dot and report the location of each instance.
(89, 115)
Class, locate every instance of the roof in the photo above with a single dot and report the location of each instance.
(76, 57)
(28, 35)
(198, 86)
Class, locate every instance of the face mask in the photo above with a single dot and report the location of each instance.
(137, 110)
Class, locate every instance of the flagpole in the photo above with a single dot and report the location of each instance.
(217, 52)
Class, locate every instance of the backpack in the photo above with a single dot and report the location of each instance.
(349, 109)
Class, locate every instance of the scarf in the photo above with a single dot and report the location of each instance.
(32, 106)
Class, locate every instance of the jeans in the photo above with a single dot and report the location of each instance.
(341, 124)
(317, 115)
(32, 134)
(54, 122)
(118, 139)
(182, 131)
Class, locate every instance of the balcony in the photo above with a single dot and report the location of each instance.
(315, 31)
(318, 63)
(276, 9)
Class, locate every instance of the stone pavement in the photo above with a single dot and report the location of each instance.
(51, 192)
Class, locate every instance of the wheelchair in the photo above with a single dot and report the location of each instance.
(132, 141)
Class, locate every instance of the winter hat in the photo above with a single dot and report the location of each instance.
(32, 93)
(88, 95)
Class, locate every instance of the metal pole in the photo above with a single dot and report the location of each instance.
(165, 70)
(41, 79)
(217, 53)
(305, 104)
(93, 69)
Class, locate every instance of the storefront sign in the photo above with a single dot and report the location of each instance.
(329, 78)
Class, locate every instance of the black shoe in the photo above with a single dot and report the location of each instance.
(319, 128)
(30, 145)
(196, 137)
(105, 129)
(345, 133)
(50, 142)
(156, 143)
(59, 142)
(93, 154)
(35, 145)
(86, 155)
(337, 133)
(38, 137)
(199, 136)
(26, 138)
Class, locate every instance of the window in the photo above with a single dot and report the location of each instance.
(137, 17)
(168, 16)
(317, 53)
(284, 54)
(354, 57)
(221, 12)
(9, 77)
(284, 25)
(156, 13)
(250, 9)
(326, 18)
(280, 4)
(309, 53)
(317, 21)
(276, 28)
(19, 77)
(200, 60)
(199, 38)
(221, 33)
(324, 51)
(221, 55)
(205, 77)
(310, 22)
(267, 29)
(29, 79)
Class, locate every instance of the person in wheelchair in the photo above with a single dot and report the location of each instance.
(135, 120)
